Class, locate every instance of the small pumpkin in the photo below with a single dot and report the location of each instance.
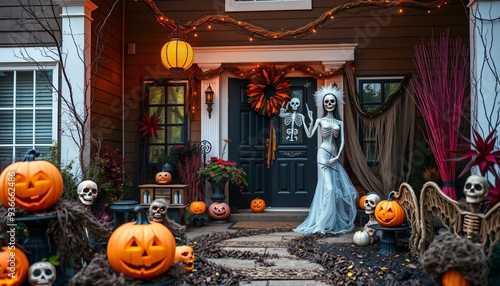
(361, 238)
(389, 213)
(14, 266)
(185, 255)
(454, 278)
(163, 178)
(257, 205)
(36, 185)
(219, 211)
(141, 249)
(198, 207)
(361, 202)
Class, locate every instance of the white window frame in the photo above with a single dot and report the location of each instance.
(12, 61)
(267, 5)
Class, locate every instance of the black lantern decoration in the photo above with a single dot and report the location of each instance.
(209, 100)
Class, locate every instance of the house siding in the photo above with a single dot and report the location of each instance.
(107, 104)
(14, 23)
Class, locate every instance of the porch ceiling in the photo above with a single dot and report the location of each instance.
(331, 56)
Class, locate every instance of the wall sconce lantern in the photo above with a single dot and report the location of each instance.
(209, 100)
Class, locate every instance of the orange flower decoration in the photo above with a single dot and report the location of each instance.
(268, 91)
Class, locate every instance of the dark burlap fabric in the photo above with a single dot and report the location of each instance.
(448, 251)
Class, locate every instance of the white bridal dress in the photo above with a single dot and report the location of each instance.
(333, 209)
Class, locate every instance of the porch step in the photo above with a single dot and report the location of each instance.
(270, 215)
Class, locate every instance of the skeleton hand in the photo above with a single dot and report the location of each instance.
(283, 110)
(330, 163)
(310, 114)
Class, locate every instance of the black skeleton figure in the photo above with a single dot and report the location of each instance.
(293, 118)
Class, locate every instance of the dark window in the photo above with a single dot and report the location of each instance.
(167, 102)
(372, 93)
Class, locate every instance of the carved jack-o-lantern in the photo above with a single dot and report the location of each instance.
(14, 266)
(198, 207)
(219, 211)
(389, 212)
(185, 254)
(163, 178)
(141, 249)
(257, 205)
(36, 185)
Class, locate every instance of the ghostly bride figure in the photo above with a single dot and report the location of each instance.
(333, 209)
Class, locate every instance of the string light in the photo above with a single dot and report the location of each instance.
(293, 33)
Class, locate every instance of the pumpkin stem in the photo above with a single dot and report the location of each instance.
(391, 194)
(142, 217)
(31, 155)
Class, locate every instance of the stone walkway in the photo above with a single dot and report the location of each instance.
(285, 269)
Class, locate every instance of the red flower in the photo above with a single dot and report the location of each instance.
(149, 125)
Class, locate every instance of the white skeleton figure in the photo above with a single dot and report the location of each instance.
(371, 202)
(42, 273)
(293, 118)
(475, 189)
(158, 210)
(87, 192)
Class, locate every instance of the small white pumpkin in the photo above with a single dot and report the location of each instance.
(361, 238)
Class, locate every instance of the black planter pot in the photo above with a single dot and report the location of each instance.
(218, 194)
(197, 222)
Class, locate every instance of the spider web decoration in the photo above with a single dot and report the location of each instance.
(268, 91)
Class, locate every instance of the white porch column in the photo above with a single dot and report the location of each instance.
(76, 44)
(210, 127)
(485, 84)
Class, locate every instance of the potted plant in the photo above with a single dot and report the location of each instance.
(218, 173)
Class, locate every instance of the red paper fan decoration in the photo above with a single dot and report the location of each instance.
(149, 125)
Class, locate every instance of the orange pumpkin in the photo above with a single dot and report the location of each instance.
(141, 249)
(163, 178)
(389, 213)
(219, 211)
(36, 185)
(198, 207)
(454, 278)
(257, 205)
(14, 266)
(185, 255)
(362, 201)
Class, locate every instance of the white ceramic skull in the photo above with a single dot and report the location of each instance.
(295, 103)
(371, 202)
(475, 189)
(87, 192)
(158, 210)
(42, 273)
(330, 102)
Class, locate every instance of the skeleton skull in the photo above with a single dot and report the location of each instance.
(371, 202)
(295, 103)
(475, 189)
(42, 273)
(87, 192)
(158, 210)
(330, 102)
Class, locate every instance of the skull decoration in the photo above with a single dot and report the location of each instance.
(87, 192)
(475, 189)
(295, 103)
(330, 102)
(185, 254)
(42, 273)
(158, 210)
(371, 202)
